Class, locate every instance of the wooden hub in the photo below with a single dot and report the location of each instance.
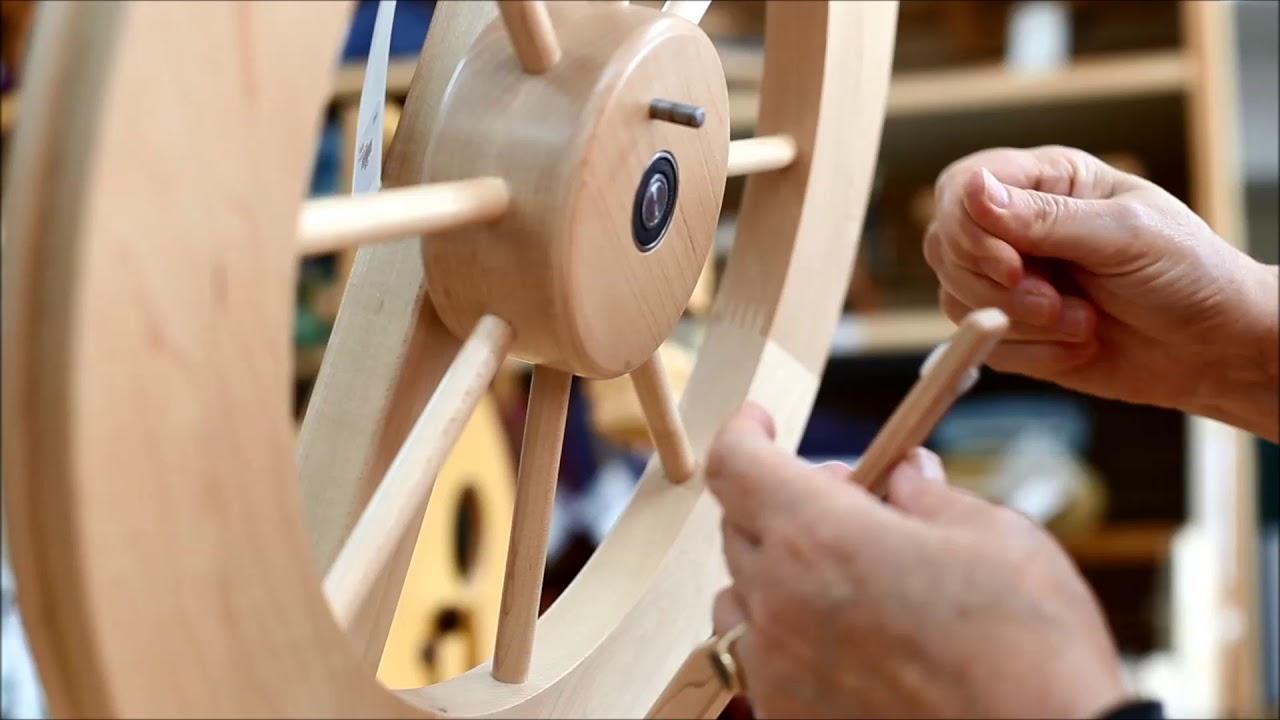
(612, 212)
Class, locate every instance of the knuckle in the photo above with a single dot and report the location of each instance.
(1044, 212)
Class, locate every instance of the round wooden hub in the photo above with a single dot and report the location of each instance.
(566, 266)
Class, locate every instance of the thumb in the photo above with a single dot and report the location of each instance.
(918, 487)
(1089, 233)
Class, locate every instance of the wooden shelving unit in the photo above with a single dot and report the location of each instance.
(1150, 83)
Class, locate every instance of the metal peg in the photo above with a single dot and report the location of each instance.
(676, 112)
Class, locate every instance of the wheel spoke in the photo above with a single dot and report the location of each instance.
(532, 36)
(761, 154)
(691, 10)
(407, 485)
(531, 520)
(335, 223)
(667, 432)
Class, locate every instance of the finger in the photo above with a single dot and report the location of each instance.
(749, 474)
(927, 464)
(1042, 359)
(1090, 233)
(728, 611)
(1077, 321)
(741, 552)
(914, 488)
(954, 238)
(1047, 168)
(1033, 301)
(834, 470)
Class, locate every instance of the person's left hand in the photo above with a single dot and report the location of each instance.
(933, 603)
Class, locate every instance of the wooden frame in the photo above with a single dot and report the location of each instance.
(163, 559)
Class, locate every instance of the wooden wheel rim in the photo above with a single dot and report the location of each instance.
(163, 567)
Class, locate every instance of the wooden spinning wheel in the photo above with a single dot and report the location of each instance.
(551, 210)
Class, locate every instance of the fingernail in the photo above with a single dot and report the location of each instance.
(1075, 320)
(930, 466)
(997, 194)
(1033, 307)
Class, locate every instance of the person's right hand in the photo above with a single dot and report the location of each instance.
(1114, 287)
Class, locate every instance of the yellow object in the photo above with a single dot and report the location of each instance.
(447, 616)
(615, 409)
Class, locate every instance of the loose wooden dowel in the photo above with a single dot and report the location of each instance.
(532, 36)
(698, 685)
(761, 154)
(407, 485)
(658, 403)
(335, 223)
(530, 523)
(691, 10)
(941, 381)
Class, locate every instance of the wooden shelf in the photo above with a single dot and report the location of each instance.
(974, 89)
(1123, 544)
(890, 331)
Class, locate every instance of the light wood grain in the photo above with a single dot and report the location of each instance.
(530, 523)
(658, 402)
(760, 154)
(337, 223)
(387, 351)
(401, 495)
(691, 10)
(532, 36)
(696, 690)
(129, 536)
(562, 266)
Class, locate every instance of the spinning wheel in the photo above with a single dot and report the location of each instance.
(558, 191)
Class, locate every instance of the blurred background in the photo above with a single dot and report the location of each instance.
(1172, 520)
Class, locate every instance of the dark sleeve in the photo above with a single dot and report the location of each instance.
(1137, 710)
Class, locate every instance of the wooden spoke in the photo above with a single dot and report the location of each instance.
(535, 496)
(408, 482)
(691, 10)
(761, 154)
(532, 36)
(335, 223)
(659, 405)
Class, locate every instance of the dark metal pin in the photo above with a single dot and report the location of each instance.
(678, 113)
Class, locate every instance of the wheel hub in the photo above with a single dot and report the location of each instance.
(613, 211)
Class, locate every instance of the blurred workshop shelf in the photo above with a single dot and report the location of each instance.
(989, 87)
(905, 331)
(1133, 543)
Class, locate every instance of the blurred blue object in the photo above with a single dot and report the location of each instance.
(413, 17)
(832, 436)
(984, 425)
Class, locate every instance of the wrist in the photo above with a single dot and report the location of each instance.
(1243, 387)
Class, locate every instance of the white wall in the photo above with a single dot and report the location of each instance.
(1258, 42)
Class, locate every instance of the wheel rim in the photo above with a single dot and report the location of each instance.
(122, 570)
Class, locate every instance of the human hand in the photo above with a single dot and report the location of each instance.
(934, 603)
(1114, 287)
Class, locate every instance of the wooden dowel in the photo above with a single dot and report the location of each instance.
(407, 485)
(698, 685)
(335, 223)
(530, 523)
(532, 36)
(691, 10)
(761, 154)
(658, 403)
(941, 382)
